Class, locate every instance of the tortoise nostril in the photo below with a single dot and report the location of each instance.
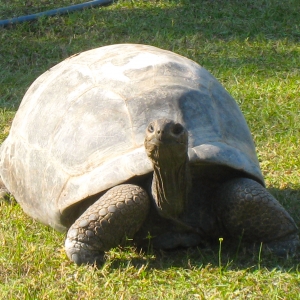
(177, 129)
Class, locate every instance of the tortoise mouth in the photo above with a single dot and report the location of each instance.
(166, 154)
(158, 142)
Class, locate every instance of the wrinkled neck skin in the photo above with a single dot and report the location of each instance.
(170, 184)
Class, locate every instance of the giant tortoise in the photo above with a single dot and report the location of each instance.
(131, 142)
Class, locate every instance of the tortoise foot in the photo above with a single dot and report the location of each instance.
(109, 222)
(250, 213)
(284, 248)
(82, 253)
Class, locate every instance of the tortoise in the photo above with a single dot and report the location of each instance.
(130, 142)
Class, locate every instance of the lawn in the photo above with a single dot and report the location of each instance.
(253, 48)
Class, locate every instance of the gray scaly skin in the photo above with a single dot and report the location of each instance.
(242, 206)
(248, 210)
(104, 224)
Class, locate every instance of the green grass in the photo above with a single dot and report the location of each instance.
(253, 48)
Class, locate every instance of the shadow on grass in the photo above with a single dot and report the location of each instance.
(290, 200)
(231, 258)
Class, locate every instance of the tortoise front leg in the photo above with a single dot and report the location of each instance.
(117, 215)
(246, 209)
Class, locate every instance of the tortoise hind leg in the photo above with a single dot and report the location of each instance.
(117, 215)
(246, 209)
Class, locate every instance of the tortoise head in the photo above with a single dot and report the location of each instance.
(163, 137)
(166, 144)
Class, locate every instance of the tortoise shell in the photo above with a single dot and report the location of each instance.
(81, 125)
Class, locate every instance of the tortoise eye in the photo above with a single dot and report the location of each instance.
(150, 128)
(177, 129)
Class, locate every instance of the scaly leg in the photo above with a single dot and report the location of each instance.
(117, 215)
(246, 209)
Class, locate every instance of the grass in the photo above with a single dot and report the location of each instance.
(253, 48)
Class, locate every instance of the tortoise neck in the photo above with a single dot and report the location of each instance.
(170, 185)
